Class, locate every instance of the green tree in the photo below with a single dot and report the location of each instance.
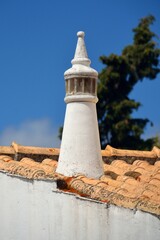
(137, 62)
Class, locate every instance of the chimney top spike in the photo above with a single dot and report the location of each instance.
(81, 62)
(81, 56)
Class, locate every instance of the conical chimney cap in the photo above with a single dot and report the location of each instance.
(81, 62)
(81, 56)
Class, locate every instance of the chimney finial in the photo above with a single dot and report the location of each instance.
(81, 56)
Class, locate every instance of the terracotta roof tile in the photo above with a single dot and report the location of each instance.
(157, 164)
(155, 182)
(33, 150)
(156, 176)
(49, 162)
(156, 150)
(140, 170)
(131, 153)
(121, 200)
(132, 181)
(36, 153)
(149, 206)
(130, 184)
(111, 182)
(7, 150)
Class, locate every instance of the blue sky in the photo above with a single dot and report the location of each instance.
(37, 44)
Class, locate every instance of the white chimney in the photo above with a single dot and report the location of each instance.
(80, 151)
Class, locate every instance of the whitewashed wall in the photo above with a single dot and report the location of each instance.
(35, 210)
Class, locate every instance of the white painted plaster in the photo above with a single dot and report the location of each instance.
(35, 210)
(80, 147)
(80, 151)
(81, 98)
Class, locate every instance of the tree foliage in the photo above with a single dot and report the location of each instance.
(121, 73)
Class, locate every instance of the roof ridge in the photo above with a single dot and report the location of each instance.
(131, 155)
(18, 151)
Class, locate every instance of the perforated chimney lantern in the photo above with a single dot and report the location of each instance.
(80, 151)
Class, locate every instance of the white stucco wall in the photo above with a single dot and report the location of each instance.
(35, 210)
